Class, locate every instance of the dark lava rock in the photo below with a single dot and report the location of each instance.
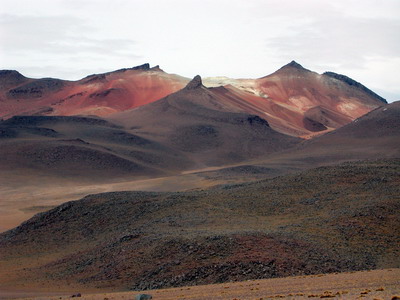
(256, 120)
(36, 88)
(312, 125)
(103, 94)
(102, 77)
(145, 66)
(143, 297)
(76, 295)
(40, 120)
(94, 78)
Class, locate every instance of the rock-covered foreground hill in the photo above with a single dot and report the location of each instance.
(328, 219)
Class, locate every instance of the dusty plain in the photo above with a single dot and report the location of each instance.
(376, 284)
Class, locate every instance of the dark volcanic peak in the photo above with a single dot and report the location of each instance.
(10, 73)
(156, 68)
(101, 76)
(9, 78)
(354, 83)
(194, 83)
(293, 66)
(144, 67)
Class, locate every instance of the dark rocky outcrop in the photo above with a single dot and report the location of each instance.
(194, 83)
(144, 67)
(103, 94)
(143, 297)
(313, 125)
(40, 120)
(36, 88)
(10, 78)
(94, 78)
(102, 76)
(354, 83)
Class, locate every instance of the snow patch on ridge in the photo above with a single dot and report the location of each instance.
(246, 85)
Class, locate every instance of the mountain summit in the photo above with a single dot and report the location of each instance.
(291, 67)
(195, 83)
(294, 64)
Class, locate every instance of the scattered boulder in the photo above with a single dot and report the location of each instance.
(76, 295)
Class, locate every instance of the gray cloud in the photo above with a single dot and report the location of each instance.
(237, 38)
(60, 41)
(339, 40)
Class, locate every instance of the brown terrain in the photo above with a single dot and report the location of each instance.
(205, 126)
(376, 284)
(265, 229)
(50, 160)
(182, 185)
(51, 156)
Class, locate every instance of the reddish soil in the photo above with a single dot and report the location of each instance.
(99, 94)
(299, 102)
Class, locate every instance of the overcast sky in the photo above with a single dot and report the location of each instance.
(70, 39)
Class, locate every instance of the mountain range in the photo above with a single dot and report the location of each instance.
(293, 100)
(293, 173)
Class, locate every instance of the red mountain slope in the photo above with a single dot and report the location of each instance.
(99, 94)
(299, 102)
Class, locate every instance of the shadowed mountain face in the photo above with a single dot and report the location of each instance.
(187, 130)
(206, 126)
(293, 100)
(352, 82)
(270, 228)
(374, 135)
(80, 148)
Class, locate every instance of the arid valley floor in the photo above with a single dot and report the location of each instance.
(378, 284)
